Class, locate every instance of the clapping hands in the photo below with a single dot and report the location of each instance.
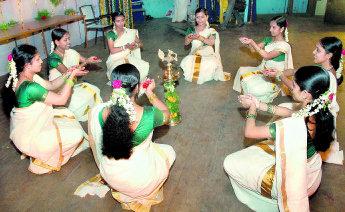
(248, 100)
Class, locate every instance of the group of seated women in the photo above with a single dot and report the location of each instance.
(279, 173)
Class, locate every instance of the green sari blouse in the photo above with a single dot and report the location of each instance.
(29, 92)
(279, 58)
(54, 60)
(152, 117)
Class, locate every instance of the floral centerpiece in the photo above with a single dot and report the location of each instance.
(171, 97)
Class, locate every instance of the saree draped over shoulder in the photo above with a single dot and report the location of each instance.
(49, 136)
(136, 182)
(250, 80)
(333, 154)
(85, 95)
(276, 175)
(127, 56)
(204, 62)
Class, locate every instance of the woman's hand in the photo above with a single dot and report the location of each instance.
(93, 59)
(246, 40)
(77, 72)
(248, 101)
(150, 87)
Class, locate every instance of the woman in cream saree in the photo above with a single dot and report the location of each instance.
(203, 62)
(48, 136)
(124, 46)
(85, 95)
(132, 165)
(276, 53)
(281, 173)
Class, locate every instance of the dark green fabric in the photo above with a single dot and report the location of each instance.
(310, 146)
(152, 117)
(190, 30)
(54, 60)
(111, 35)
(30, 92)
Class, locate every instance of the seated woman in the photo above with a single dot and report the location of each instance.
(280, 173)
(327, 54)
(120, 133)
(49, 136)
(124, 46)
(276, 53)
(84, 95)
(203, 62)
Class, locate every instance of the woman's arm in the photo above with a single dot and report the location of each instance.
(251, 130)
(208, 41)
(247, 100)
(155, 101)
(113, 49)
(62, 97)
(284, 76)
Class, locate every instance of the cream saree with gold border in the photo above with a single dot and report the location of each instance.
(49, 136)
(276, 175)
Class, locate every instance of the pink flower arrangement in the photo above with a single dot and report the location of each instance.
(343, 52)
(9, 57)
(116, 84)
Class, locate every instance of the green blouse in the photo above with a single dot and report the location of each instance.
(152, 117)
(29, 92)
(54, 60)
(279, 58)
(310, 146)
(111, 35)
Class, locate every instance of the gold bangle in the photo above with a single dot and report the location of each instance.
(70, 82)
(152, 97)
(271, 109)
(251, 116)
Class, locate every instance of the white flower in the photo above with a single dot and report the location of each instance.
(119, 97)
(286, 34)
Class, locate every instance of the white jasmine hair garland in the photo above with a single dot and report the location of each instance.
(341, 66)
(119, 97)
(13, 73)
(52, 47)
(286, 34)
(320, 103)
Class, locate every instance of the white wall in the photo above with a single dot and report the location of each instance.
(28, 12)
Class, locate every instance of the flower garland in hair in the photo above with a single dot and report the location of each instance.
(286, 32)
(320, 103)
(341, 66)
(119, 97)
(52, 47)
(13, 73)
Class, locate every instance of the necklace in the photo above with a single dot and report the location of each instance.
(59, 53)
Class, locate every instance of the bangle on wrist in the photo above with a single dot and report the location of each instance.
(152, 97)
(70, 82)
(271, 108)
(251, 116)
